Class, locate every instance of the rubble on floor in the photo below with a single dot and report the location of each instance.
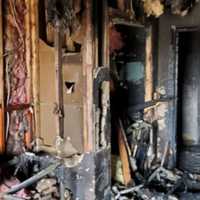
(8, 183)
(150, 179)
(30, 176)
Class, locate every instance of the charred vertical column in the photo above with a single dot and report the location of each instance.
(59, 81)
(2, 136)
(88, 58)
(35, 65)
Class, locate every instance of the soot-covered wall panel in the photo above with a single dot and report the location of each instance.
(167, 76)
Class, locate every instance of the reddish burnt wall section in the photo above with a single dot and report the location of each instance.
(16, 75)
(18, 70)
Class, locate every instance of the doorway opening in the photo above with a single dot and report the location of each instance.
(188, 106)
(127, 62)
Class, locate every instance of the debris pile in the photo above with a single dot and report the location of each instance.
(8, 183)
(46, 189)
(150, 179)
(30, 176)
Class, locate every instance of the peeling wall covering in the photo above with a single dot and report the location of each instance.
(16, 74)
(15, 42)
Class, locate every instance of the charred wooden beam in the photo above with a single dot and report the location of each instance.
(2, 136)
(28, 49)
(2, 133)
(28, 135)
(105, 35)
(149, 67)
(148, 113)
(124, 156)
(87, 53)
(35, 64)
(59, 79)
(1, 56)
(118, 17)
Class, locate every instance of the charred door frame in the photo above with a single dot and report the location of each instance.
(174, 56)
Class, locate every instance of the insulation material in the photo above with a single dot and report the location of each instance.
(16, 74)
(16, 61)
(153, 7)
(8, 183)
(18, 126)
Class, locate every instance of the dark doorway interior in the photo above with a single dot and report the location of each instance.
(188, 121)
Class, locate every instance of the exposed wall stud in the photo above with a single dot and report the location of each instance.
(35, 64)
(2, 133)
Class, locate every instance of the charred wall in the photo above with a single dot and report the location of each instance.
(166, 76)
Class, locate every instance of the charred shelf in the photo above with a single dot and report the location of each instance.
(118, 17)
(122, 21)
(71, 54)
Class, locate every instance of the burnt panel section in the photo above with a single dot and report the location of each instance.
(166, 80)
(103, 174)
(90, 179)
(72, 97)
(73, 100)
(47, 94)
